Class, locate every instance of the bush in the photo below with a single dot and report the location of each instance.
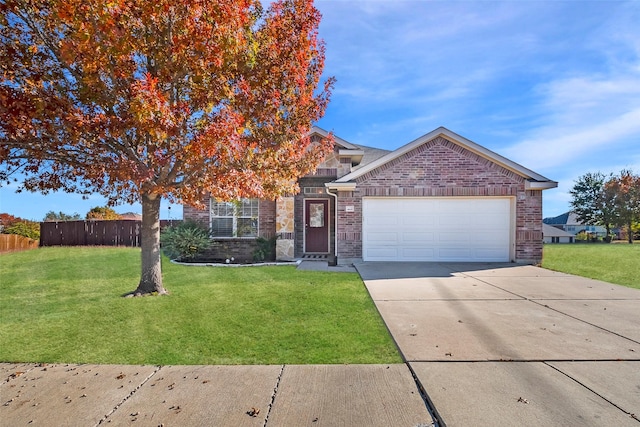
(185, 241)
(30, 229)
(266, 250)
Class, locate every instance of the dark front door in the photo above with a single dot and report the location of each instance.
(316, 225)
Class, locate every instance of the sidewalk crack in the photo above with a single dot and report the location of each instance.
(273, 396)
(115, 408)
(632, 415)
(437, 419)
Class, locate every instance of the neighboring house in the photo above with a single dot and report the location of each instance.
(438, 198)
(569, 222)
(131, 215)
(555, 235)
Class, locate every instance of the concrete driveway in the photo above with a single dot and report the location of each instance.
(512, 345)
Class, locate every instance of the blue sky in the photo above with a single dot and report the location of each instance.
(552, 85)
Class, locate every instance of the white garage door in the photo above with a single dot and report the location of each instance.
(436, 229)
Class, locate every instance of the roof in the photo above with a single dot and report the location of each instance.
(534, 181)
(549, 231)
(341, 142)
(567, 218)
(560, 219)
(370, 155)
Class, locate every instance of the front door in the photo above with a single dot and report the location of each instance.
(316, 226)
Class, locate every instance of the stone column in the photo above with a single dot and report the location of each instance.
(285, 229)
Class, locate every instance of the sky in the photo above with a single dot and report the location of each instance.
(551, 85)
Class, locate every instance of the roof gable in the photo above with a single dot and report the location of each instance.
(534, 180)
(549, 231)
(339, 141)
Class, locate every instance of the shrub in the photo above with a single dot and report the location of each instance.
(185, 241)
(30, 229)
(266, 249)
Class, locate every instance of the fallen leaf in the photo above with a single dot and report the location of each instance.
(15, 375)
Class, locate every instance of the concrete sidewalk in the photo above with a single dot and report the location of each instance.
(495, 345)
(276, 395)
(507, 345)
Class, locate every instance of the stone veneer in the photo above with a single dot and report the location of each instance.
(285, 245)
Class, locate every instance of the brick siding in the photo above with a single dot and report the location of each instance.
(239, 248)
(440, 168)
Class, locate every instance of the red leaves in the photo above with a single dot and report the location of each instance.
(177, 98)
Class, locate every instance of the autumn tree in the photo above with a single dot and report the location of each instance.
(591, 203)
(624, 190)
(140, 100)
(10, 224)
(102, 212)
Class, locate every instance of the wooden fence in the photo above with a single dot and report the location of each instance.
(14, 243)
(121, 232)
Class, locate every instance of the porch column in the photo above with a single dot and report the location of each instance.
(285, 229)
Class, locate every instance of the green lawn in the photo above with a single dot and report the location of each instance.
(65, 305)
(614, 263)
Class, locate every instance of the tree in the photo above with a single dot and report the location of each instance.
(25, 228)
(139, 100)
(590, 202)
(52, 216)
(7, 219)
(624, 190)
(10, 224)
(102, 212)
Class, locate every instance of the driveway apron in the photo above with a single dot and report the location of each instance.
(506, 344)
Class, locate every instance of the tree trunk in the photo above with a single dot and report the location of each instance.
(151, 274)
(630, 232)
(607, 238)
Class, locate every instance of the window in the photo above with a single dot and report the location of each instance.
(234, 219)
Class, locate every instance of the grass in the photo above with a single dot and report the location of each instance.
(614, 263)
(64, 305)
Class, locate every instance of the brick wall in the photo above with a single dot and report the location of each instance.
(440, 168)
(349, 225)
(240, 249)
(189, 213)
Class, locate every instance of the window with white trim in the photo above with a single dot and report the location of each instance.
(235, 219)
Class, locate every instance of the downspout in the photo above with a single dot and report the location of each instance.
(335, 220)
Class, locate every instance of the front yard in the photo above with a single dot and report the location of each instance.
(614, 263)
(64, 304)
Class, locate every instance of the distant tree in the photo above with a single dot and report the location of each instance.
(102, 212)
(624, 191)
(140, 100)
(7, 219)
(591, 203)
(61, 216)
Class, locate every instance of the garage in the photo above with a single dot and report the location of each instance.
(469, 229)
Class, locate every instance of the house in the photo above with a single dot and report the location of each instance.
(570, 223)
(555, 235)
(441, 197)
